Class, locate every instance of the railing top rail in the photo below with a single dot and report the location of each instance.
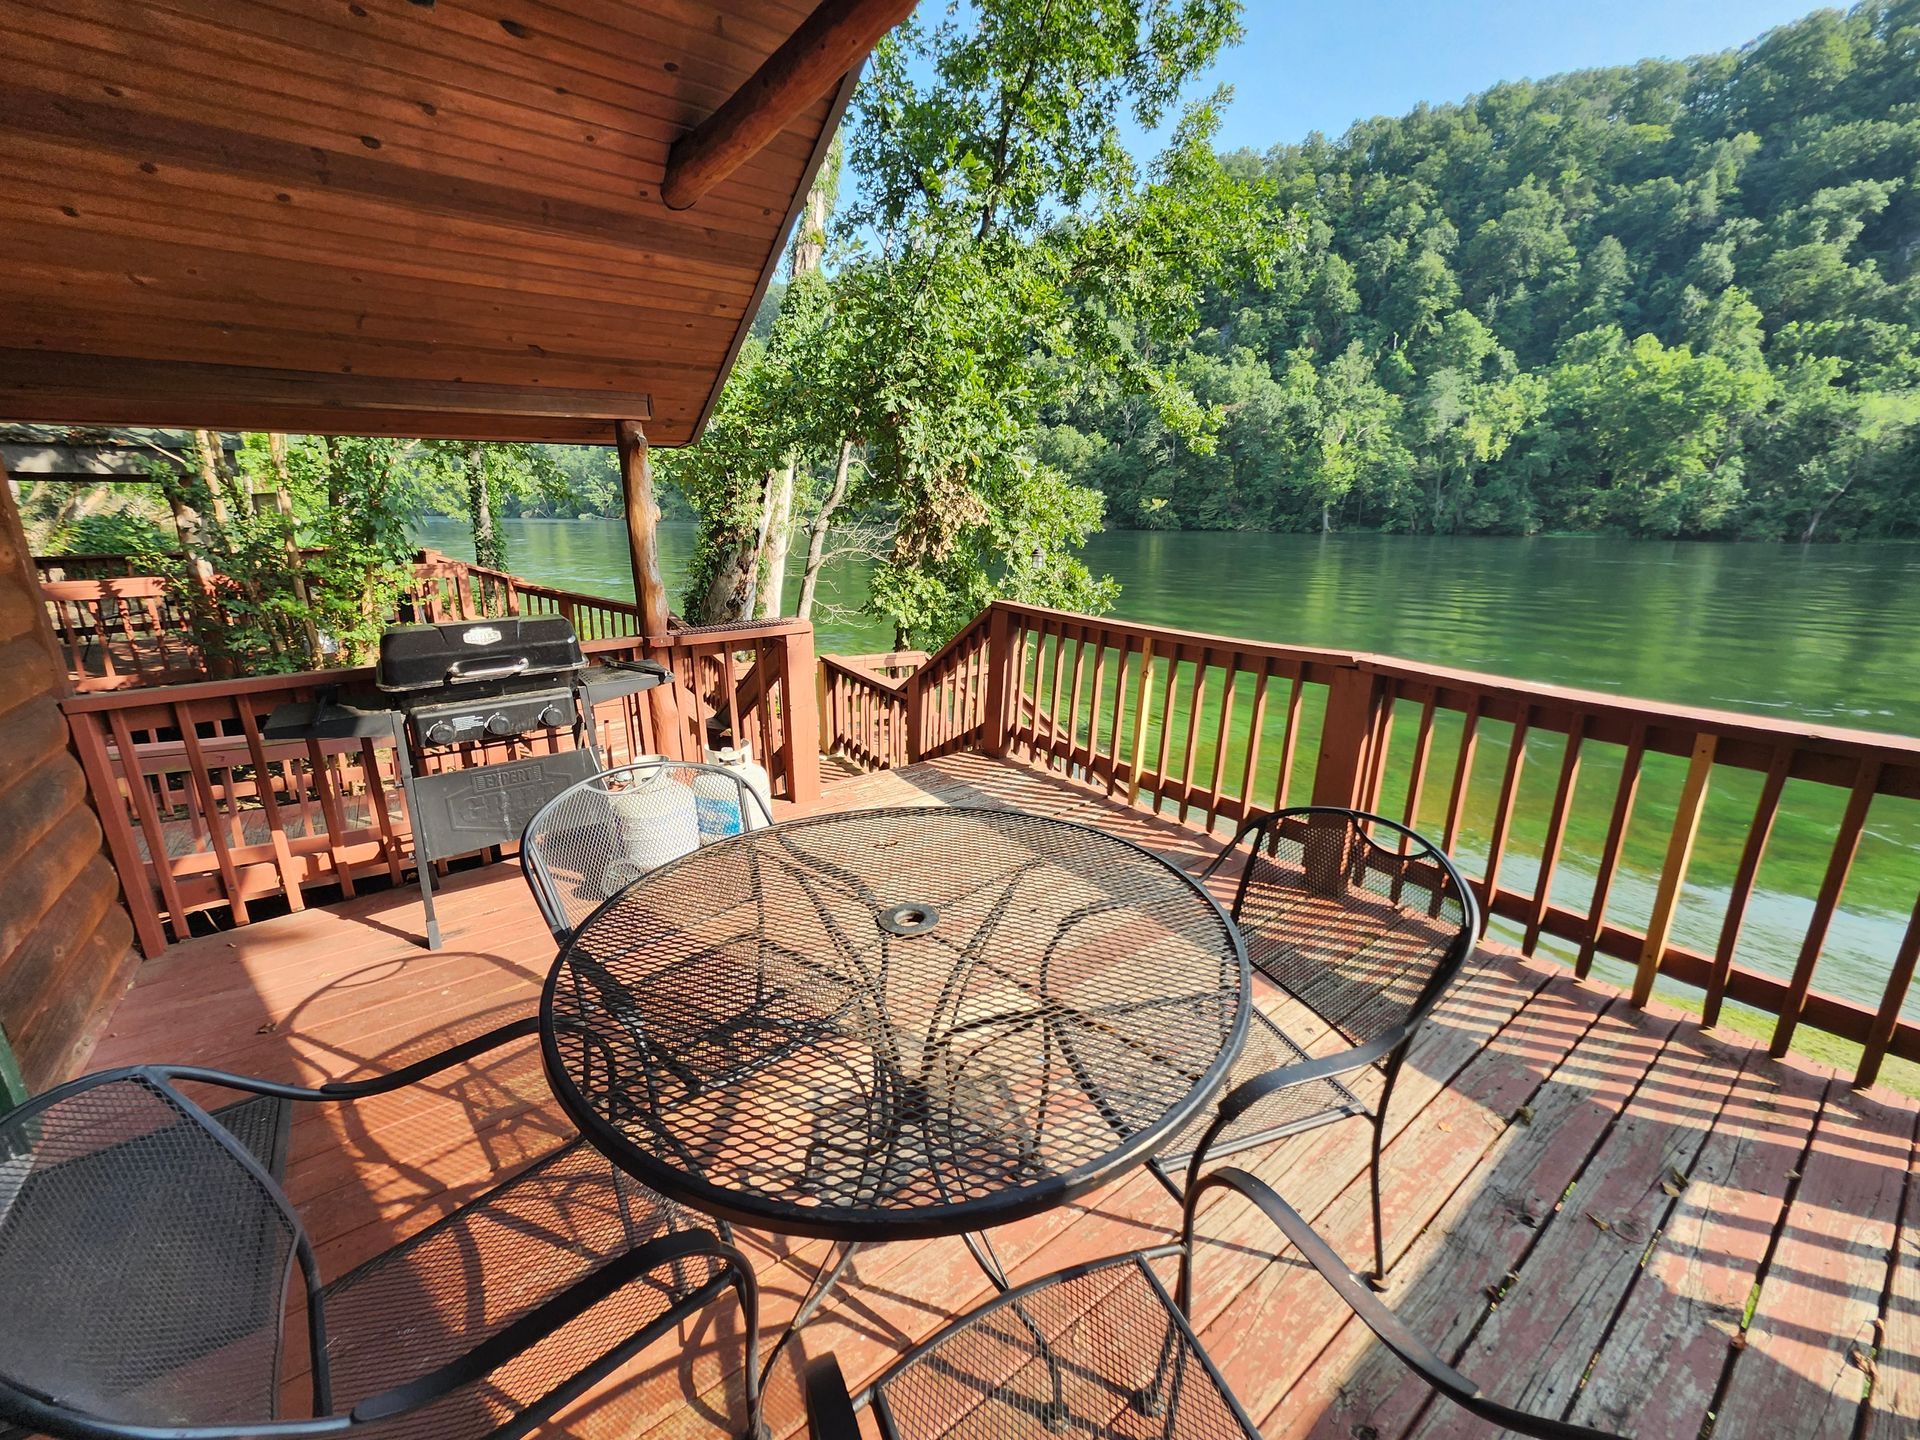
(133, 699)
(1191, 639)
(1900, 749)
(363, 674)
(106, 587)
(889, 660)
(1904, 749)
(851, 667)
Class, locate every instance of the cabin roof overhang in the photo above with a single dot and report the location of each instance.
(438, 219)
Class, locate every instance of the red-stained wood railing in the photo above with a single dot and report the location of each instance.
(118, 632)
(445, 589)
(120, 629)
(1212, 729)
(201, 813)
(864, 712)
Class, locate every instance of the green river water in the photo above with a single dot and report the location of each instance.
(1826, 634)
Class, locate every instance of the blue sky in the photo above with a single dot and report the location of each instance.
(1322, 64)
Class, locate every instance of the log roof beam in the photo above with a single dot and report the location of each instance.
(834, 39)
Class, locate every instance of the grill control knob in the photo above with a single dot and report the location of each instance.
(441, 732)
(553, 716)
(499, 724)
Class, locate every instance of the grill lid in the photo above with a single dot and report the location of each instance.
(423, 657)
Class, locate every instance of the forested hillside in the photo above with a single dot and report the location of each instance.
(1670, 299)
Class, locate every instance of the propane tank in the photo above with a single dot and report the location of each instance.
(657, 820)
(720, 803)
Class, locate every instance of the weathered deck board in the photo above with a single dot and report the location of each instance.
(1811, 1340)
(1527, 1083)
(1665, 1357)
(1894, 1405)
(1578, 1272)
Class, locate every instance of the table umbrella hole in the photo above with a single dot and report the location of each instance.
(909, 919)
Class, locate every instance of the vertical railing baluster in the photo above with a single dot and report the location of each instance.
(1887, 1019)
(1622, 816)
(1845, 846)
(1503, 814)
(1673, 873)
(1751, 853)
(1462, 774)
(1256, 732)
(1289, 743)
(1556, 830)
(1220, 739)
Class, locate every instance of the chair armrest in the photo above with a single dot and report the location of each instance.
(1249, 1093)
(540, 1322)
(829, 1407)
(1393, 1332)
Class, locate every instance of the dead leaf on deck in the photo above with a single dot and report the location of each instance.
(1598, 1223)
(267, 1029)
(1524, 1115)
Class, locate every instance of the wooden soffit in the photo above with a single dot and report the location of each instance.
(389, 217)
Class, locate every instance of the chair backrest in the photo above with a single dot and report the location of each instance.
(145, 1263)
(598, 836)
(1360, 919)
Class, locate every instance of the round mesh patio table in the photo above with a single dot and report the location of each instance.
(895, 1023)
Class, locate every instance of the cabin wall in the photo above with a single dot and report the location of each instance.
(64, 934)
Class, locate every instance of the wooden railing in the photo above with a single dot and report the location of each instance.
(201, 813)
(119, 632)
(1579, 817)
(120, 629)
(449, 589)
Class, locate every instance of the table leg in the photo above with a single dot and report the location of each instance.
(822, 1288)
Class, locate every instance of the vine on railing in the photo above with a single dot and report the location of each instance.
(1577, 815)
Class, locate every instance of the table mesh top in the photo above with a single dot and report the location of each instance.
(906, 1021)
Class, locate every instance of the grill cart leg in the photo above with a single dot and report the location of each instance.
(421, 861)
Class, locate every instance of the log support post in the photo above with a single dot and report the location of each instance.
(649, 591)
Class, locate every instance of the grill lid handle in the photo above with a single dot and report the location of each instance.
(483, 670)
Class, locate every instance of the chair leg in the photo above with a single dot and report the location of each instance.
(1378, 1278)
(749, 1291)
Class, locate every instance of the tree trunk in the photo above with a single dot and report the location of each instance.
(778, 540)
(643, 518)
(487, 548)
(817, 532)
(296, 562)
(207, 444)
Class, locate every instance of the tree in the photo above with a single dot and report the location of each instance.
(1020, 256)
(1753, 215)
(1656, 430)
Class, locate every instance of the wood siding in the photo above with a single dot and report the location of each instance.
(64, 935)
(384, 218)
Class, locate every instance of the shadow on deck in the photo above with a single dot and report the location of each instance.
(1600, 1212)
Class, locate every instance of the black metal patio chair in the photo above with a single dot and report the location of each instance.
(157, 1280)
(1104, 1349)
(602, 833)
(1363, 922)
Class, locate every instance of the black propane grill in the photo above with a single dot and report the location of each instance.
(504, 680)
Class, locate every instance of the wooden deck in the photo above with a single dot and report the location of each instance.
(1599, 1211)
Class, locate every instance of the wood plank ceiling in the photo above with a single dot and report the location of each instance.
(382, 216)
